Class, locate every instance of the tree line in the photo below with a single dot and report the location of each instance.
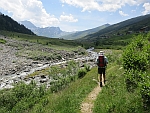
(8, 24)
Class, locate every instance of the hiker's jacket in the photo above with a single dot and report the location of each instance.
(105, 61)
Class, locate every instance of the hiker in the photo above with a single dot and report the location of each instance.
(102, 62)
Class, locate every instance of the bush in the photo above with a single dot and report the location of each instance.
(2, 41)
(145, 88)
(87, 67)
(62, 77)
(136, 62)
(82, 73)
(21, 98)
(136, 54)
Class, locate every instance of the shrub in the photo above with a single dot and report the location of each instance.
(87, 67)
(145, 88)
(136, 54)
(62, 77)
(82, 73)
(2, 41)
(136, 62)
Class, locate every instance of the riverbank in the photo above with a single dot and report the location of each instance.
(15, 65)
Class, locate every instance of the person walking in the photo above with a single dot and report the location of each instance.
(102, 62)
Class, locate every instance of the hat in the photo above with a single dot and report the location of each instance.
(101, 52)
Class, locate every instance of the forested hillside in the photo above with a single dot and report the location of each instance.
(8, 24)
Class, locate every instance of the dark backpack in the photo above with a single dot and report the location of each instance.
(101, 61)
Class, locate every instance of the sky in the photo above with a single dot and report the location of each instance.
(74, 15)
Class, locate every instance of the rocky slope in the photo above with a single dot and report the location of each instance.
(18, 59)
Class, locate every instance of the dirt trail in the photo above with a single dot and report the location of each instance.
(88, 103)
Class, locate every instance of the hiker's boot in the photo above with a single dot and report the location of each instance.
(101, 84)
(104, 81)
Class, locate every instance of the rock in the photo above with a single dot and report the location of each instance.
(27, 70)
(34, 62)
(43, 76)
(39, 65)
(21, 65)
(43, 80)
(8, 86)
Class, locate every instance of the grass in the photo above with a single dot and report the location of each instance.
(69, 100)
(2, 41)
(42, 48)
(39, 72)
(28, 98)
(114, 97)
(51, 42)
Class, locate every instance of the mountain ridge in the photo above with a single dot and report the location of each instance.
(50, 32)
(8, 24)
(80, 34)
(56, 32)
(133, 24)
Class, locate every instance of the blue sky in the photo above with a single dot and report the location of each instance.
(74, 15)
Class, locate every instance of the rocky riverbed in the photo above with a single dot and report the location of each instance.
(15, 63)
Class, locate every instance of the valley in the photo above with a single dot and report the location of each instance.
(16, 62)
(54, 75)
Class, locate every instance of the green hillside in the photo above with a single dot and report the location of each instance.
(8, 24)
(134, 25)
(80, 34)
(118, 34)
(41, 39)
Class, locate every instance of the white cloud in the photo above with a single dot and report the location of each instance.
(147, 8)
(88, 5)
(32, 10)
(122, 13)
(67, 18)
(102, 5)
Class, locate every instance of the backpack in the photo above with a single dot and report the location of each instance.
(101, 61)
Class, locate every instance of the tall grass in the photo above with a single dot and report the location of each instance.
(31, 99)
(69, 99)
(114, 97)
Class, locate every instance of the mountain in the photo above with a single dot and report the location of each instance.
(80, 34)
(51, 32)
(56, 32)
(133, 25)
(28, 24)
(8, 24)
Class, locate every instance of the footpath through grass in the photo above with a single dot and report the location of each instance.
(70, 99)
(114, 97)
(128, 91)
